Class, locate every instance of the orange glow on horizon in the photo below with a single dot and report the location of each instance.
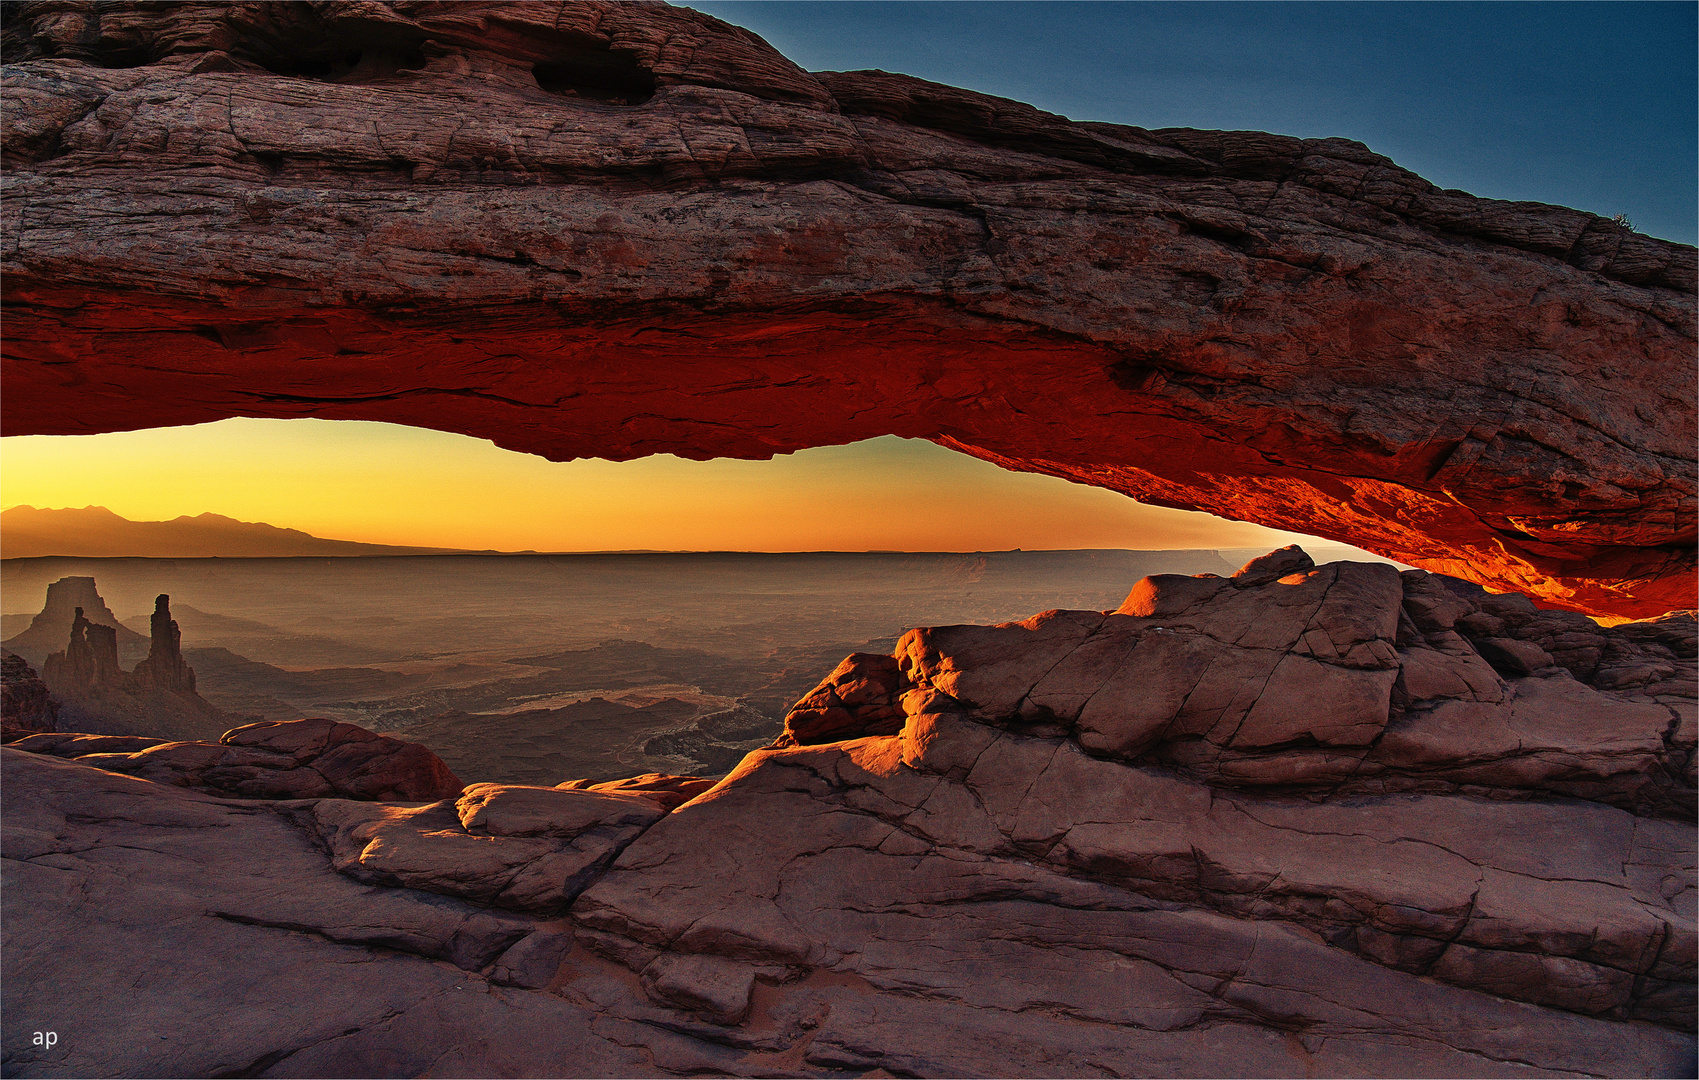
(387, 484)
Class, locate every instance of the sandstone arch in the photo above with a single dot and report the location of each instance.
(601, 230)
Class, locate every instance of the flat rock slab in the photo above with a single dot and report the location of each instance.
(527, 848)
(1125, 900)
(287, 759)
(163, 932)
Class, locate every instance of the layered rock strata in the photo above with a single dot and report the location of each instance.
(76, 744)
(89, 661)
(617, 230)
(1344, 679)
(666, 791)
(512, 846)
(127, 900)
(282, 759)
(1374, 833)
(26, 705)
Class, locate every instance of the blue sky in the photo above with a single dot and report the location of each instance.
(1589, 105)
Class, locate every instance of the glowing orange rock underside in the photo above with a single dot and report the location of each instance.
(755, 385)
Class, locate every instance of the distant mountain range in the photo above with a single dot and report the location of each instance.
(95, 532)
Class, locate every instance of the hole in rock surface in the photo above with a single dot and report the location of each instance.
(323, 68)
(125, 58)
(360, 65)
(613, 78)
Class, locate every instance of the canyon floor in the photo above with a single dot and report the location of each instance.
(538, 669)
(1293, 820)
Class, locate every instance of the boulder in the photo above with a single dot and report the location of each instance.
(526, 848)
(1263, 569)
(859, 697)
(356, 763)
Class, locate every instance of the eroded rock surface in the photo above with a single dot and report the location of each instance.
(1289, 799)
(51, 626)
(1105, 899)
(137, 913)
(1393, 827)
(164, 666)
(666, 791)
(288, 759)
(595, 229)
(26, 706)
(526, 848)
(1344, 679)
(76, 744)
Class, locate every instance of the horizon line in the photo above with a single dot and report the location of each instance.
(452, 554)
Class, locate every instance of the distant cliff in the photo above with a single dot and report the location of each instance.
(95, 532)
(66, 599)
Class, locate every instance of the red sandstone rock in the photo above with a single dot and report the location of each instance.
(667, 791)
(355, 763)
(164, 666)
(609, 230)
(1343, 678)
(76, 744)
(1060, 782)
(226, 914)
(89, 661)
(96, 695)
(528, 848)
(282, 759)
(26, 706)
(1023, 880)
(860, 697)
(1273, 566)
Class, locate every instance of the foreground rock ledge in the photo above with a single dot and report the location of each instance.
(604, 230)
(1053, 865)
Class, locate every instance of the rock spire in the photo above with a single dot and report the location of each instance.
(164, 666)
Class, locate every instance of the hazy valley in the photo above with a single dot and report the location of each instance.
(544, 668)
